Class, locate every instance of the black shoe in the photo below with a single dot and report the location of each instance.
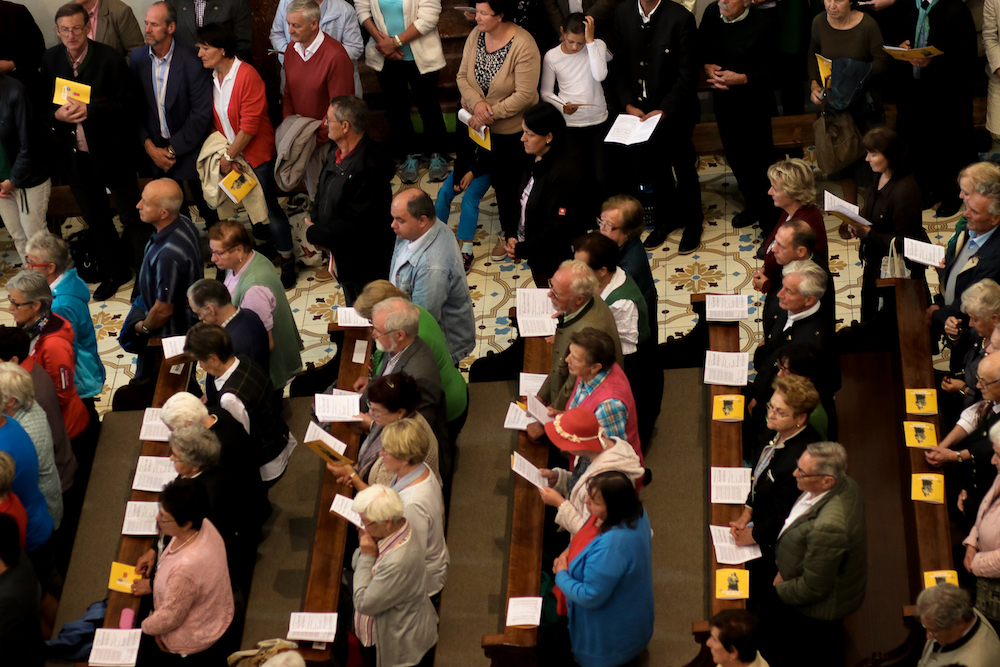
(949, 207)
(690, 240)
(107, 289)
(744, 219)
(289, 274)
(656, 237)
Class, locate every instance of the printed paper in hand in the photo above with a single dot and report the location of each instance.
(122, 576)
(728, 369)
(360, 352)
(938, 577)
(629, 130)
(913, 54)
(922, 435)
(115, 648)
(726, 307)
(237, 185)
(730, 486)
(342, 505)
(330, 408)
(534, 313)
(528, 384)
(538, 410)
(308, 627)
(173, 346)
(843, 209)
(524, 612)
(140, 518)
(517, 419)
(929, 254)
(527, 470)
(152, 473)
(68, 89)
(314, 433)
(481, 136)
(348, 317)
(153, 429)
(726, 550)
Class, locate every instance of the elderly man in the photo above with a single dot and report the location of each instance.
(734, 639)
(573, 293)
(427, 265)
(211, 303)
(389, 593)
(112, 22)
(822, 559)
(194, 14)
(242, 388)
(794, 241)
(957, 633)
(354, 192)
(97, 143)
(337, 20)
(178, 104)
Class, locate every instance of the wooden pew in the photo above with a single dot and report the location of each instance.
(327, 561)
(515, 647)
(726, 443)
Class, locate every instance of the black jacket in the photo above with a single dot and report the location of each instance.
(895, 212)
(818, 330)
(21, 135)
(984, 264)
(748, 47)
(22, 42)
(234, 13)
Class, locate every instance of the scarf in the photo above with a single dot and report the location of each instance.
(923, 28)
(35, 329)
(364, 625)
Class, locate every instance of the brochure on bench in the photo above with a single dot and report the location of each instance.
(528, 384)
(730, 486)
(153, 428)
(727, 552)
(524, 612)
(152, 473)
(938, 577)
(732, 584)
(115, 648)
(921, 435)
(728, 369)
(843, 209)
(927, 488)
(527, 470)
(338, 408)
(727, 307)
(348, 317)
(173, 346)
(630, 130)
(517, 418)
(534, 313)
(140, 518)
(312, 627)
(343, 506)
(728, 408)
(929, 254)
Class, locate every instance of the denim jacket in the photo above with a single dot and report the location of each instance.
(434, 278)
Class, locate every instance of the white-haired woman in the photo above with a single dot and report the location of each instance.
(390, 599)
(982, 546)
(981, 302)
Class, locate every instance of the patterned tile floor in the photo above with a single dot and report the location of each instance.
(723, 264)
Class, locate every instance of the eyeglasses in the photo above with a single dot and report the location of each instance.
(778, 412)
(803, 473)
(379, 332)
(76, 30)
(552, 288)
(159, 517)
(607, 226)
(374, 414)
(16, 305)
(39, 265)
(980, 382)
(220, 253)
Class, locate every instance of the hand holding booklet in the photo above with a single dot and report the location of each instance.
(329, 448)
(237, 185)
(630, 130)
(843, 209)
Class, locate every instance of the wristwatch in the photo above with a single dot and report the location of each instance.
(142, 327)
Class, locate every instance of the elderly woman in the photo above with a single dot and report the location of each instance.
(17, 400)
(957, 633)
(49, 254)
(390, 597)
(773, 489)
(608, 584)
(981, 302)
(498, 80)
(30, 303)
(622, 220)
(982, 546)
(192, 593)
(239, 113)
(578, 433)
(10, 504)
(968, 179)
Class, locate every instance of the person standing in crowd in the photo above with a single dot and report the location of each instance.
(21, 49)
(353, 195)
(15, 442)
(212, 304)
(338, 20)
(96, 142)
(733, 639)
(622, 221)
(20, 631)
(112, 22)
(654, 73)
(194, 14)
(178, 104)
(957, 633)
(982, 546)
(405, 51)
(794, 240)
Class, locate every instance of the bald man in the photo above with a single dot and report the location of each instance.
(427, 266)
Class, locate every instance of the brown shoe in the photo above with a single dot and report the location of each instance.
(499, 250)
(323, 274)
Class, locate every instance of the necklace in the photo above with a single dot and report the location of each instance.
(171, 551)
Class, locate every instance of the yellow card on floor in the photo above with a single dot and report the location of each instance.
(728, 408)
(731, 584)
(928, 488)
(920, 434)
(936, 577)
(67, 89)
(122, 577)
(921, 401)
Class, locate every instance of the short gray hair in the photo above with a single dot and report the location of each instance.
(33, 287)
(379, 503)
(946, 604)
(308, 8)
(50, 248)
(183, 409)
(196, 446)
(16, 383)
(352, 109)
(831, 459)
(583, 282)
(812, 277)
(982, 299)
(991, 191)
(400, 315)
(995, 434)
(208, 291)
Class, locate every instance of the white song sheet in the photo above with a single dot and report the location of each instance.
(338, 408)
(314, 432)
(528, 384)
(726, 307)
(534, 313)
(538, 411)
(727, 552)
(360, 351)
(153, 429)
(343, 506)
(730, 486)
(524, 612)
(152, 473)
(923, 253)
(728, 369)
(173, 346)
(140, 518)
(629, 130)
(527, 470)
(312, 627)
(517, 419)
(115, 647)
(348, 317)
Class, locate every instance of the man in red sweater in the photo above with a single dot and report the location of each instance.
(315, 57)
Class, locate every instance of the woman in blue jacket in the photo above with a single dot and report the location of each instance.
(609, 584)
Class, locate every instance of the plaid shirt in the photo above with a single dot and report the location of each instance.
(611, 414)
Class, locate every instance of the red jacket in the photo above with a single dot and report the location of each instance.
(248, 112)
(53, 351)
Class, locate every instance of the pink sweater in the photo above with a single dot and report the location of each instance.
(192, 595)
(985, 535)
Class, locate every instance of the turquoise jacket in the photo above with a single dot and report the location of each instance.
(69, 301)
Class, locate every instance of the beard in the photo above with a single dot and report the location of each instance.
(381, 347)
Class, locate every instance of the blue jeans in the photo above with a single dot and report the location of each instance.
(470, 204)
(277, 220)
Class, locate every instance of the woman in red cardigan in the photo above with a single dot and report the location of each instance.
(239, 112)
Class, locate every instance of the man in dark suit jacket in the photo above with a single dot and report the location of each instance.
(234, 13)
(655, 72)
(211, 302)
(116, 25)
(21, 49)
(177, 90)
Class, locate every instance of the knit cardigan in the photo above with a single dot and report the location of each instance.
(248, 112)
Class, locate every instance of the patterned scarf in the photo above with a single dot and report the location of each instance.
(364, 625)
(33, 330)
(923, 28)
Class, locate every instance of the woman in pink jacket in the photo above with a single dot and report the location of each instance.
(982, 546)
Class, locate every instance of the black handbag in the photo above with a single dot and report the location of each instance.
(83, 249)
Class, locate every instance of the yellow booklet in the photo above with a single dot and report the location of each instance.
(920, 434)
(237, 185)
(912, 54)
(483, 139)
(935, 577)
(122, 577)
(65, 89)
(732, 584)
(825, 69)
(328, 454)
(921, 401)
(928, 488)
(728, 408)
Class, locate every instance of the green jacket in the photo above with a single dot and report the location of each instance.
(823, 556)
